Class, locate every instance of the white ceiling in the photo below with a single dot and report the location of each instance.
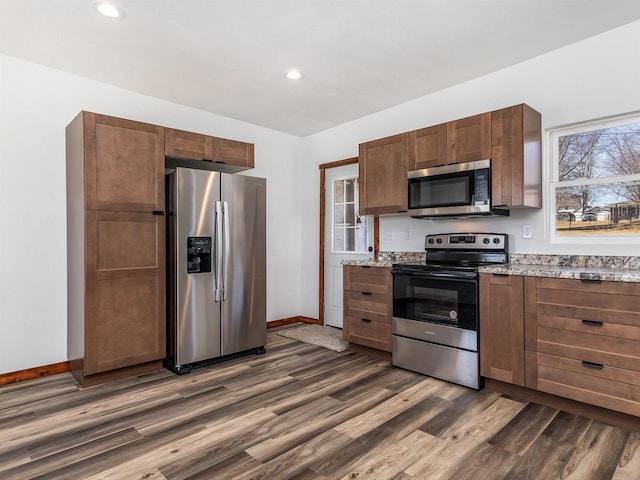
(357, 56)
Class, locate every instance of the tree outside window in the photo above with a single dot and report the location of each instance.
(595, 186)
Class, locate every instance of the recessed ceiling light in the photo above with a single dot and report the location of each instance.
(293, 75)
(109, 9)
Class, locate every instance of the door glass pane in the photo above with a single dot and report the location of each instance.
(338, 215)
(338, 239)
(349, 229)
(349, 187)
(338, 191)
(350, 215)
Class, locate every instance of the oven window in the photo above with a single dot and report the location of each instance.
(443, 190)
(444, 301)
(436, 305)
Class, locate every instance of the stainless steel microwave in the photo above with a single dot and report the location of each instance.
(459, 189)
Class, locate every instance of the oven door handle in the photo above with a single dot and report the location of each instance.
(462, 276)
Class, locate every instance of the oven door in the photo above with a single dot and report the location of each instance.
(438, 307)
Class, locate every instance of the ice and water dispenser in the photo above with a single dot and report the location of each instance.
(199, 254)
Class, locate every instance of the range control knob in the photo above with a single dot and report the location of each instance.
(431, 240)
(485, 241)
(496, 240)
(439, 240)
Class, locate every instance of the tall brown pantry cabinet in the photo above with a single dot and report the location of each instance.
(115, 247)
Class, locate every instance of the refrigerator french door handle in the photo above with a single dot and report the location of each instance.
(218, 249)
(227, 252)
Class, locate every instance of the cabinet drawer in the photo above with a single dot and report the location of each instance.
(607, 327)
(609, 387)
(608, 315)
(610, 302)
(368, 279)
(616, 352)
(369, 333)
(574, 285)
(372, 307)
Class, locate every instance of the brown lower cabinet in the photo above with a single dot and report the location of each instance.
(368, 306)
(578, 340)
(502, 328)
(124, 290)
(115, 247)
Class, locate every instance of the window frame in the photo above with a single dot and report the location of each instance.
(552, 183)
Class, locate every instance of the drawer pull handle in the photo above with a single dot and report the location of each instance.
(590, 278)
(366, 320)
(158, 212)
(592, 365)
(592, 323)
(500, 274)
(365, 266)
(367, 293)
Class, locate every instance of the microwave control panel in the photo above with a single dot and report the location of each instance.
(482, 187)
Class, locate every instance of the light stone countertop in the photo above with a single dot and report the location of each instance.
(369, 263)
(388, 259)
(609, 274)
(612, 268)
(590, 267)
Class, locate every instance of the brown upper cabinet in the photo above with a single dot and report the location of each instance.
(428, 147)
(383, 175)
(510, 137)
(189, 145)
(124, 162)
(469, 139)
(195, 146)
(464, 140)
(516, 158)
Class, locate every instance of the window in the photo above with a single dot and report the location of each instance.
(595, 179)
(349, 229)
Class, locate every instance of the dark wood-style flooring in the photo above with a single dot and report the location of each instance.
(298, 412)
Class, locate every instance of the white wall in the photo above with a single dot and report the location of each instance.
(36, 104)
(594, 78)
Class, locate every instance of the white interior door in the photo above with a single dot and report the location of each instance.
(348, 236)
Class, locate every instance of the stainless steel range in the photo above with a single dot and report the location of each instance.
(435, 306)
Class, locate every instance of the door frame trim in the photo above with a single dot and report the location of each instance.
(376, 229)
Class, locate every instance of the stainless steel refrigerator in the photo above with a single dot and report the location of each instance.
(216, 267)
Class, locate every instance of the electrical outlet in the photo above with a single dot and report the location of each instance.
(407, 234)
(386, 235)
(527, 231)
